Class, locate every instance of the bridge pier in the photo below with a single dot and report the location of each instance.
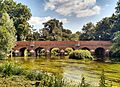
(107, 55)
(62, 54)
(17, 53)
(47, 53)
(32, 53)
(92, 52)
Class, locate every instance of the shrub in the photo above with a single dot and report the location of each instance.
(39, 76)
(81, 54)
(55, 51)
(68, 51)
(31, 75)
(10, 69)
(34, 75)
(17, 70)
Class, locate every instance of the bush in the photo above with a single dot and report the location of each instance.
(10, 69)
(55, 51)
(81, 54)
(68, 51)
(34, 75)
(31, 75)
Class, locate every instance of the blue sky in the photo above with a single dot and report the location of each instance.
(73, 13)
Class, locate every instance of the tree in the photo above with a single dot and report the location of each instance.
(116, 24)
(74, 37)
(53, 30)
(116, 32)
(103, 29)
(66, 34)
(7, 35)
(88, 32)
(20, 15)
(116, 45)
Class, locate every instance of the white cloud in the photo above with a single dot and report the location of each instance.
(37, 21)
(80, 8)
(88, 12)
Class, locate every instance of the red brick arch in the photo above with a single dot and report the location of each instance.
(86, 48)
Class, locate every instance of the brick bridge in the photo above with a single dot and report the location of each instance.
(95, 47)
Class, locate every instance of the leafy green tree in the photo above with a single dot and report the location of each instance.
(53, 30)
(103, 29)
(116, 32)
(20, 15)
(7, 35)
(116, 24)
(66, 34)
(88, 32)
(75, 36)
(116, 45)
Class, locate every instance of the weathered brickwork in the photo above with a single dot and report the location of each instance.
(48, 45)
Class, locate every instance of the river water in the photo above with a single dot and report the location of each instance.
(76, 73)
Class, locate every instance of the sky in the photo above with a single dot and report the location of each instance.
(73, 13)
